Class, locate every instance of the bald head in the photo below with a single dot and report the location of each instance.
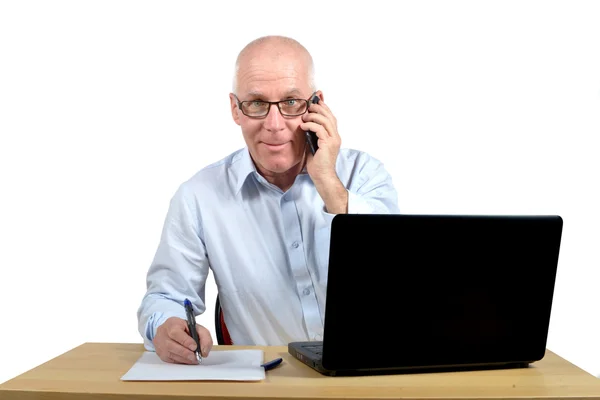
(272, 49)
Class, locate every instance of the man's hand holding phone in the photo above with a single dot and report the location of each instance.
(320, 120)
(321, 165)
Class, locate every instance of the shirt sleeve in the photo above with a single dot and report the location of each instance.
(372, 191)
(178, 271)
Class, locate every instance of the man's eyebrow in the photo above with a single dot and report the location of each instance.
(293, 92)
(255, 94)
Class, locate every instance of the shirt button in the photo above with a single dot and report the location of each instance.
(295, 245)
(306, 292)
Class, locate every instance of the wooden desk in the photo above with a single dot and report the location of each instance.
(93, 371)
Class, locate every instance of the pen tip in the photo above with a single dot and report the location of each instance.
(198, 358)
(187, 302)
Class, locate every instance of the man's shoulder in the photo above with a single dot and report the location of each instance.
(216, 173)
(354, 167)
(219, 166)
(349, 156)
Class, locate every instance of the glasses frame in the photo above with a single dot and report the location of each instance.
(240, 106)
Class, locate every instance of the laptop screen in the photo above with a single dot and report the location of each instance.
(409, 290)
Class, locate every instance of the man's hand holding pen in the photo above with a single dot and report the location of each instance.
(174, 344)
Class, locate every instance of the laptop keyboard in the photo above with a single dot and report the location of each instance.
(315, 348)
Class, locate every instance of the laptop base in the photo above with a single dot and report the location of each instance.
(310, 354)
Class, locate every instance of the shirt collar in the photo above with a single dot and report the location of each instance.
(244, 167)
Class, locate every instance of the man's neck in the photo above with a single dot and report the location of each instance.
(283, 180)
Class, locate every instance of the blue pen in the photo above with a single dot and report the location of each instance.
(191, 320)
(272, 364)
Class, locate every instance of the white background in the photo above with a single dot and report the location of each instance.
(107, 106)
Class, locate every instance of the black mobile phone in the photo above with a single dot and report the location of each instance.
(311, 137)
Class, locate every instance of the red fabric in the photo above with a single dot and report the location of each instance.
(226, 337)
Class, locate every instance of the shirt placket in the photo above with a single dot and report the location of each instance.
(296, 254)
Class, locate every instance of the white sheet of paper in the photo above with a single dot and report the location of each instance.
(231, 365)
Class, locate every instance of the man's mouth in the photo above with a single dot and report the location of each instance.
(275, 145)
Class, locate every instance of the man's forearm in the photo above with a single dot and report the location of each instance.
(334, 194)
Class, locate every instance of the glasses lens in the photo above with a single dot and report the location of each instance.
(292, 106)
(255, 108)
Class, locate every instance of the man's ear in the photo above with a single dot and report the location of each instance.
(234, 109)
(320, 94)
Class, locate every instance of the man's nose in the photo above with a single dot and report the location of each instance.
(274, 121)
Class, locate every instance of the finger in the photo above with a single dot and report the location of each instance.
(206, 342)
(333, 120)
(316, 128)
(166, 355)
(181, 354)
(179, 334)
(322, 108)
(176, 359)
(321, 120)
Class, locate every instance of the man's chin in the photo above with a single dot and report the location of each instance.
(278, 168)
(278, 165)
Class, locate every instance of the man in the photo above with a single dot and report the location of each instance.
(260, 218)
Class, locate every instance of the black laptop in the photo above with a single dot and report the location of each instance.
(417, 293)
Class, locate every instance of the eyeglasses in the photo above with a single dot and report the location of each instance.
(260, 108)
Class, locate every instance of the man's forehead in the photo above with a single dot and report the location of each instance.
(283, 91)
(275, 83)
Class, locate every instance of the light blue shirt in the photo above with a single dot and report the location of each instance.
(268, 249)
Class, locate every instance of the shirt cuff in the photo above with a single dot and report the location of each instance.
(156, 320)
(358, 205)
